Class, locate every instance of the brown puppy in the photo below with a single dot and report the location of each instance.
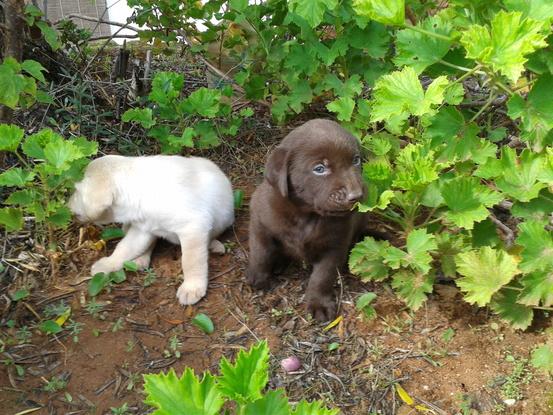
(303, 209)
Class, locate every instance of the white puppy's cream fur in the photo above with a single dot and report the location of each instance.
(186, 200)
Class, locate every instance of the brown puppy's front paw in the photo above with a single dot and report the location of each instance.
(321, 307)
(258, 280)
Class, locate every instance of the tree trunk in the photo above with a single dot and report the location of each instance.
(13, 41)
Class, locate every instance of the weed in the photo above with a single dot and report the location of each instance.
(55, 310)
(149, 277)
(520, 375)
(95, 309)
(74, 328)
(23, 335)
(117, 324)
(57, 383)
(122, 410)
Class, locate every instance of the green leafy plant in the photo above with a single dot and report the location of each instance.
(242, 383)
(41, 185)
(101, 281)
(19, 83)
(194, 121)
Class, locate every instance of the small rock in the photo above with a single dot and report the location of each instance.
(290, 364)
(510, 402)
(217, 247)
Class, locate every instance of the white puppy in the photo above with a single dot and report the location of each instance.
(186, 200)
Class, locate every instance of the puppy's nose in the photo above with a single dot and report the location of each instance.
(355, 195)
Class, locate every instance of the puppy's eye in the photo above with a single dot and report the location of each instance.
(319, 169)
(357, 161)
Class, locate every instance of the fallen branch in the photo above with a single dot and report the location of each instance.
(509, 236)
(110, 37)
(97, 20)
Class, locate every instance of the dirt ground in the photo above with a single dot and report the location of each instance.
(449, 356)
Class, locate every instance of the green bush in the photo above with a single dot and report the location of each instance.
(452, 106)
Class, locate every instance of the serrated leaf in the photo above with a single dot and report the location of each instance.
(34, 144)
(537, 288)
(413, 287)
(16, 176)
(399, 95)
(468, 201)
(11, 219)
(60, 218)
(203, 101)
(366, 259)
(536, 112)
(50, 327)
(342, 107)
(420, 50)
(59, 153)
(538, 209)
(244, 381)
(313, 408)
(34, 69)
(187, 395)
(390, 12)
(374, 38)
(415, 168)
(204, 323)
(142, 116)
(506, 43)
(536, 9)
(273, 403)
(542, 358)
(10, 137)
(97, 283)
(505, 305)
(166, 87)
(86, 147)
(537, 247)
(419, 244)
(312, 11)
(484, 273)
(13, 84)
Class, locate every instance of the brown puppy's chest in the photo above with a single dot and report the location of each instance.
(308, 237)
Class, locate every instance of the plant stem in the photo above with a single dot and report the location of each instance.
(543, 308)
(428, 33)
(484, 107)
(503, 87)
(460, 68)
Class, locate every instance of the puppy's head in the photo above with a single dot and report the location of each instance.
(93, 196)
(318, 166)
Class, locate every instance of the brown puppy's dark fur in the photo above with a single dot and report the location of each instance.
(299, 213)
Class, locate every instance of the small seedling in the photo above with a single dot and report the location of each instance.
(100, 281)
(448, 335)
(173, 347)
(94, 308)
(23, 335)
(363, 304)
(149, 277)
(74, 328)
(122, 410)
(20, 294)
(55, 384)
(55, 310)
(117, 325)
(333, 346)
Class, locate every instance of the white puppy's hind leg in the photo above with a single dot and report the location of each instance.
(143, 261)
(194, 244)
(135, 243)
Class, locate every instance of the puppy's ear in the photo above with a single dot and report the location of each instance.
(276, 170)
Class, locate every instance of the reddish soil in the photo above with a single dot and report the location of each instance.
(103, 368)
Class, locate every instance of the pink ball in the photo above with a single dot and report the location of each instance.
(290, 364)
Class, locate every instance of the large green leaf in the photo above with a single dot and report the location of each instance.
(413, 287)
(313, 408)
(186, 395)
(538, 209)
(166, 87)
(505, 305)
(59, 153)
(542, 358)
(34, 69)
(484, 272)
(399, 95)
(16, 176)
(518, 177)
(536, 112)
(420, 50)
(50, 34)
(537, 288)
(467, 201)
(343, 107)
(13, 84)
(537, 247)
(313, 10)
(244, 381)
(384, 11)
(203, 101)
(419, 245)
(10, 137)
(367, 259)
(11, 219)
(142, 116)
(273, 403)
(505, 45)
(536, 9)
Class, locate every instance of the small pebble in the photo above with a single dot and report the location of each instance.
(290, 364)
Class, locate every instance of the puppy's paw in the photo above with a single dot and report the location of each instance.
(105, 265)
(258, 280)
(142, 262)
(191, 291)
(321, 307)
